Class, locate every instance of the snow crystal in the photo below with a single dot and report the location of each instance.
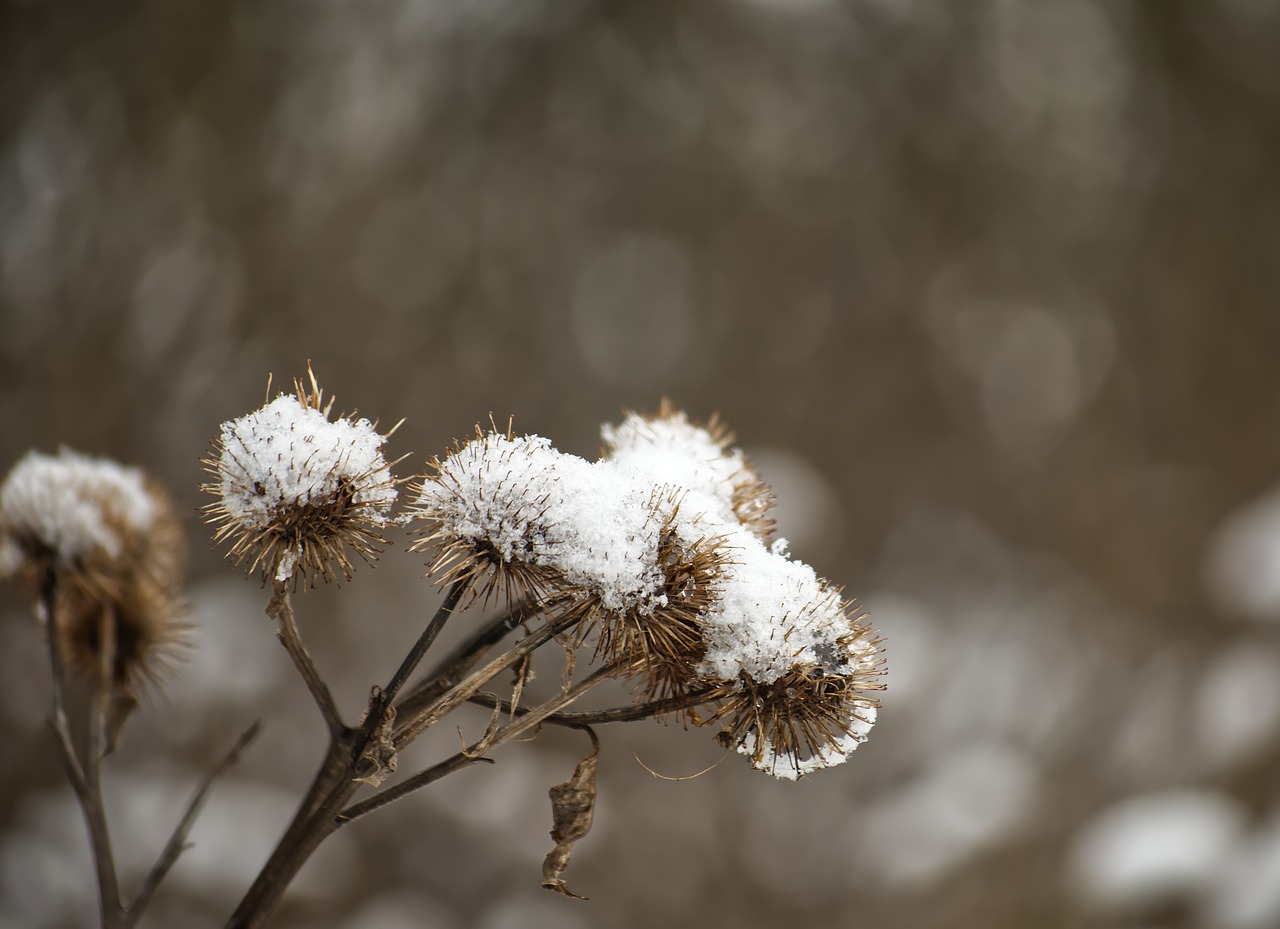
(74, 504)
(288, 454)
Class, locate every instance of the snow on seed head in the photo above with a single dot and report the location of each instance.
(102, 541)
(296, 489)
(658, 635)
(73, 506)
(797, 666)
(696, 458)
(486, 508)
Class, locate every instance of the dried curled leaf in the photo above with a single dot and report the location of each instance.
(378, 760)
(573, 804)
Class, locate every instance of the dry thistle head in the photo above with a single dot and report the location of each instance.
(816, 713)
(104, 540)
(794, 664)
(485, 507)
(649, 551)
(296, 490)
(661, 636)
(698, 458)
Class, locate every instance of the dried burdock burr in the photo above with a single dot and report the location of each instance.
(100, 541)
(483, 510)
(296, 490)
(701, 458)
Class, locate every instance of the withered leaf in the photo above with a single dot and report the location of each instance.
(573, 804)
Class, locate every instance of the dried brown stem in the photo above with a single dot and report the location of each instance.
(281, 608)
(58, 719)
(454, 666)
(413, 727)
(84, 773)
(528, 719)
(619, 714)
(334, 784)
(384, 698)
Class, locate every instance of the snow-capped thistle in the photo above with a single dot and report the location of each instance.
(296, 489)
(102, 539)
(795, 663)
(658, 635)
(680, 453)
(794, 670)
(817, 711)
(484, 507)
(600, 544)
(657, 552)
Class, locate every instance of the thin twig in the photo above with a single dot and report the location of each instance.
(281, 608)
(619, 714)
(411, 728)
(58, 719)
(91, 799)
(334, 784)
(411, 660)
(178, 841)
(522, 724)
(455, 665)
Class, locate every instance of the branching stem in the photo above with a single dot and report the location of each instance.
(454, 666)
(84, 773)
(619, 714)
(526, 719)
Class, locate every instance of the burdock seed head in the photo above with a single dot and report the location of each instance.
(484, 510)
(698, 458)
(659, 635)
(811, 717)
(296, 490)
(101, 539)
(795, 664)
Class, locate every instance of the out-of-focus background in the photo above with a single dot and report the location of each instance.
(989, 291)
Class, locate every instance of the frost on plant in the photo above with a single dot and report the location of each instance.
(658, 551)
(296, 489)
(101, 541)
(655, 560)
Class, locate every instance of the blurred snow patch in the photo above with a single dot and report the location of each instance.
(1243, 563)
(46, 874)
(1034, 365)
(965, 803)
(539, 910)
(235, 833)
(1237, 703)
(1247, 894)
(1152, 847)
